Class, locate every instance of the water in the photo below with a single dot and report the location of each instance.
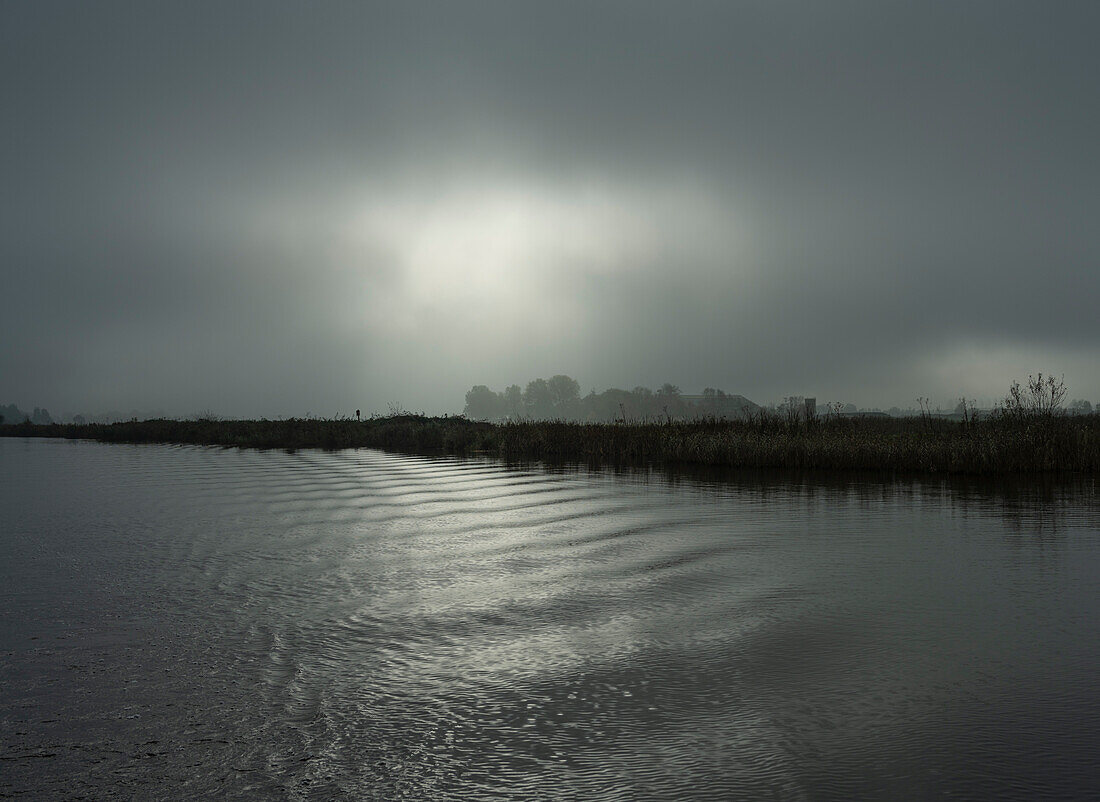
(183, 622)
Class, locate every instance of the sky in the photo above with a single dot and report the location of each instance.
(280, 208)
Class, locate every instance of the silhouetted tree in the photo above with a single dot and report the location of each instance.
(613, 404)
(564, 392)
(669, 401)
(481, 403)
(12, 414)
(538, 400)
(1080, 406)
(513, 402)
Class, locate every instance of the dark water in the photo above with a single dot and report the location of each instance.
(183, 622)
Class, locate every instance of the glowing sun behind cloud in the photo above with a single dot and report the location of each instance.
(510, 254)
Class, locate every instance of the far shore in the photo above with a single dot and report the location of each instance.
(1006, 444)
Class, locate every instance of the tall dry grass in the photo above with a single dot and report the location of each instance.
(1011, 441)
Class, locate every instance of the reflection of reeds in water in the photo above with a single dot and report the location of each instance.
(1000, 444)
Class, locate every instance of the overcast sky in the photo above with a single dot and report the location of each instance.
(278, 208)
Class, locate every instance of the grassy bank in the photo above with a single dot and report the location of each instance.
(1002, 444)
(410, 433)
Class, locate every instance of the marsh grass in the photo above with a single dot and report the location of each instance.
(410, 433)
(1012, 441)
(1001, 445)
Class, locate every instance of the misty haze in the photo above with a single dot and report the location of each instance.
(530, 400)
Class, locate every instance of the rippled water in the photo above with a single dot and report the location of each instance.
(181, 622)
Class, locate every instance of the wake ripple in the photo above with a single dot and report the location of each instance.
(363, 625)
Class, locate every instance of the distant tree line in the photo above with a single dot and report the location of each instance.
(559, 398)
(12, 414)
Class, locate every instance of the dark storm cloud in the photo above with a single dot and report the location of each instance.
(275, 208)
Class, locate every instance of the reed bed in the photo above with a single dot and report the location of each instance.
(1060, 443)
(407, 433)
(997, 445)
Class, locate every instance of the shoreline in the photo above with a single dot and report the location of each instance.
(1004, 445)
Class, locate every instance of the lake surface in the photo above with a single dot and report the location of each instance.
(184, 622)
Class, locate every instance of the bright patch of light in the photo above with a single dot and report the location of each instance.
(503, 247)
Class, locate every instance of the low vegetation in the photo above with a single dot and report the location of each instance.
(1022, 438)
(403, 432)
